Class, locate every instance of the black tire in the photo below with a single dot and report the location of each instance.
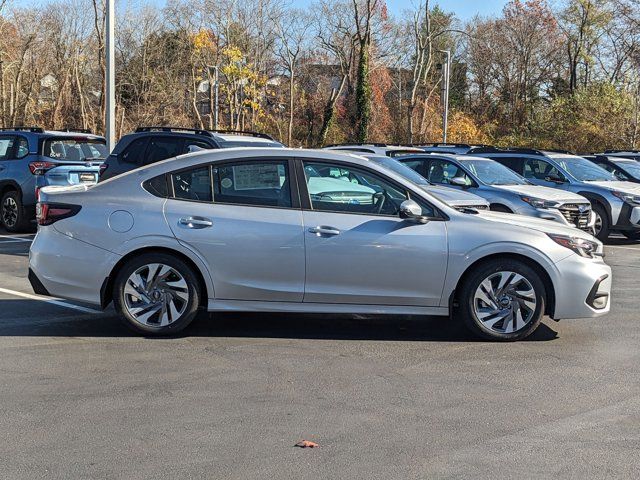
(605, 229)
(121, 300)
(12, 214)
(496, 207)
(632, 235)
(466, 311)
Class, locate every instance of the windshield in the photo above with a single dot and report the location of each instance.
(401, 169)
(75, 149)
(493, 173)
(584, 170)
(632, 168)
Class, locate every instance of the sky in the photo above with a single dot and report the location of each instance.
(464, 9)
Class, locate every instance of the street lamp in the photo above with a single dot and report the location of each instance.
(110, 106)
(445, 93)
(216, 83)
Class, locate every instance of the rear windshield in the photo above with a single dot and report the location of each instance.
(74, 149)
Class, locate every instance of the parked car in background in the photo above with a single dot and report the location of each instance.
(505, 190)
(31, 158)
(632, 154)
(616, 203)
(245, 230)
(456, 198)
(374, 149)
(455, 148)
(625, 169)
(149, 145)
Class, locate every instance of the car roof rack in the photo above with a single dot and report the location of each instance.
(527, 151)
(197, 131)
(457, 145)
(22, 129)
(559, 150)
(622, 151)
(369, 144)
(244, 132)
(75, 130)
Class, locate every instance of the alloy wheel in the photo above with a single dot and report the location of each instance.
(10, 212)
(505, 302)
(597, 226)
(156, 295)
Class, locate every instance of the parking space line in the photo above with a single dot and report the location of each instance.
(52, 301)
(14, 239)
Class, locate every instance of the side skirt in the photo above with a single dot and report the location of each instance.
(299, 307)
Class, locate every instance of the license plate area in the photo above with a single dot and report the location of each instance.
(87, 177)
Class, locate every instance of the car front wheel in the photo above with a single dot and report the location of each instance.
(502, 300)
(156, 294)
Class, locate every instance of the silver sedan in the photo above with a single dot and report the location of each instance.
(305, 231)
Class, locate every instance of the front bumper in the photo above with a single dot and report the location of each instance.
(582, 288)
(629, 218)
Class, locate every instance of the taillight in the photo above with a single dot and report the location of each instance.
(48, 213)
(38, 168)
(37, 194)
(103, 168)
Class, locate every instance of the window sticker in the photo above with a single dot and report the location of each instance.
(255, 177)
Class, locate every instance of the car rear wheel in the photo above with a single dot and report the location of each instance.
(502, 300)
(156, 294)
(601, 228)
(12, 214)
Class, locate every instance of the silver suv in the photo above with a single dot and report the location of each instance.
(616, 203)
(502, 188)
(276, 230)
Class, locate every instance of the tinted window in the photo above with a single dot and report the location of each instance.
(74, 149)
(417, 165)
(264, 183)
(157, 186)
(514, 163)
(6, 146)
(442, 172)
(161, 148)
(193, 184)
(346, 189)
(134, 153)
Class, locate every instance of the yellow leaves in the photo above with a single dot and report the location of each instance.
(203, 41)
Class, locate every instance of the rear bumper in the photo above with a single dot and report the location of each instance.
(582, 288)
(64, 267)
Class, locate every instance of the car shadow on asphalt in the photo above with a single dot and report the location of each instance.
(32, 318)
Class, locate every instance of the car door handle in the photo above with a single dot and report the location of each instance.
(324, 230)
(195, 222)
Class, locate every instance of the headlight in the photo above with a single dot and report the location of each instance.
(581, 246)
(539, 202)
(627, 197)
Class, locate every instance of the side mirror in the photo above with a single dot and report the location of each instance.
(410, 210)
(459, 182)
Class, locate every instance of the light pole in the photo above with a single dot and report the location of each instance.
(215, 93)
(110, 91)
(445, 93)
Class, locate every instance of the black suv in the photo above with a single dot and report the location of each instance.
(153, 144)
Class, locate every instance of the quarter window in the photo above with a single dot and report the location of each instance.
(262, 183)
(6, 147)
(345, 189)
(21, 147)
(194, 184)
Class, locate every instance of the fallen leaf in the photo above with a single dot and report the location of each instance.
(306, 444)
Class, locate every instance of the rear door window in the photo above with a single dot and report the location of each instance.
(263, 183)
(540, 170)
(193, 184)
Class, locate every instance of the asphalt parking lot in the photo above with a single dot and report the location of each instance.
(385, 398)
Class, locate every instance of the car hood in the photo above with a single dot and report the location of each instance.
(544, 193)
(455, 198)
(539, 224)
(626, 187)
